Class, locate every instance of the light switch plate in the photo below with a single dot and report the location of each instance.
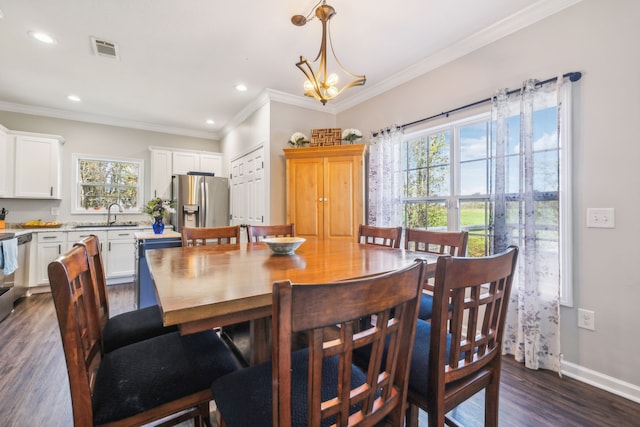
(601, 218)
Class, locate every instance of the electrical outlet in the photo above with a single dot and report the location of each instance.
(586, 319)
(601, 218)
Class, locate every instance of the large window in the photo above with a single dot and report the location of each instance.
(446, 180)
(101, 182)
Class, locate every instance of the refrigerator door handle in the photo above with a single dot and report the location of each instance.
(204, 188)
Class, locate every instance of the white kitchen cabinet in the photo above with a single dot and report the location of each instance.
(185, 161)
(6, 166)
(49, 245)
(211, 163)
(161, 171)
(121, 255)
(37, 165)
(166, 162)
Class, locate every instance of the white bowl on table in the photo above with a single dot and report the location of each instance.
(284, 245)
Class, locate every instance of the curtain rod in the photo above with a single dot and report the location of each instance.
(573, 76)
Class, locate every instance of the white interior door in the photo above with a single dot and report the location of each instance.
(248, 196)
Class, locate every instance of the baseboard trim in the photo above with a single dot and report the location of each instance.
(601, 381)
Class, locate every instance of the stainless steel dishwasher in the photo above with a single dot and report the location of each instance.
(15, 284)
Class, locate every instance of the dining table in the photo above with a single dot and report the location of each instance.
(210, 286)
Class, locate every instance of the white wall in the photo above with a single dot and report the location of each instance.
(598, 38)
(88, 138)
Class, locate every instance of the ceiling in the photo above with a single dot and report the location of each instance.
(179, 60)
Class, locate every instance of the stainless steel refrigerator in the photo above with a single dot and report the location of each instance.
(202, 200)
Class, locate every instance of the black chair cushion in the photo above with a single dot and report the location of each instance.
(133, 326)
(244, 398)
(149, 373)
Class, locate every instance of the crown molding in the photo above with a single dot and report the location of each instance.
(271, 95)
(519, 20)
(105, 120)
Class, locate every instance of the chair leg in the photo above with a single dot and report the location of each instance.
(412, 415)
(491, 396)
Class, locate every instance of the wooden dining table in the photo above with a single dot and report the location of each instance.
(210, 286)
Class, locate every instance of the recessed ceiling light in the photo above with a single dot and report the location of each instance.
(43, 37)
(1, 14)
(211, 122)
(74, 98)
(241, 88)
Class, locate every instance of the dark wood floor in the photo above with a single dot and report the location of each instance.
(34, 389)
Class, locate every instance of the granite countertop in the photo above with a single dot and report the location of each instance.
(149, 235)
(18, 229)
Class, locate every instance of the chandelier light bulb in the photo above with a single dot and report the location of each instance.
(308, 85)
(332, 80)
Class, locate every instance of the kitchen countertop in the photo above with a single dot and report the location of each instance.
(14, 228)
(149, 235)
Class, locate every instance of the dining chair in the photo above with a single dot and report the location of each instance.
(380, 236)
(194, 236)
(453, 243)
(456, 356)
(168, 376)
(125, 328)
(319, 385)
(256, 233)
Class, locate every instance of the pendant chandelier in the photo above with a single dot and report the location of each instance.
(319, 84)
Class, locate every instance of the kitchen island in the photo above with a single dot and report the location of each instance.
(147, 240)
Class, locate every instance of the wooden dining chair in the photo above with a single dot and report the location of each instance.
(453, 243)
(125, 328)
(166, 376)
(319, 385)
(380, 236)
(194, 236)
(256, 233)
(456, 356)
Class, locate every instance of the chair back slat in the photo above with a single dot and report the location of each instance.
(94, 253)
(334, 330)
(255, 233)
(478, 295)
(453, 243)
(380, 236)
(194, 236)
(72, 289)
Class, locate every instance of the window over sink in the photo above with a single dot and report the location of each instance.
(101, 181)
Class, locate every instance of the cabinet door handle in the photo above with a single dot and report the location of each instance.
(59, 249)
(52, 191)
(49, 237)
(109, 246)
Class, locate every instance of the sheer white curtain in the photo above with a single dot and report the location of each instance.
(385, 179)
(527, 196)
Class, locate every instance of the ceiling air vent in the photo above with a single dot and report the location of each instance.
(104, 48)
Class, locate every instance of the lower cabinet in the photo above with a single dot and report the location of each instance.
(118, 253)
(121, 255)
(49, 245)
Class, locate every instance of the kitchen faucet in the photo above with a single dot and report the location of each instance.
(109, 222)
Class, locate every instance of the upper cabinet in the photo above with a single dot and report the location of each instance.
(35, 172)
(161, 170)
(4, 162)
(166, 162)
(325, 190)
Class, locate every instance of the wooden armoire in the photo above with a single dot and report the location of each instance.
(325, 190)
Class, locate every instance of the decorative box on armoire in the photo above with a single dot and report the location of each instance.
(325, 190)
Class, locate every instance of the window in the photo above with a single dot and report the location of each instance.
(454, 175)
(100, 182)
(446, 177)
